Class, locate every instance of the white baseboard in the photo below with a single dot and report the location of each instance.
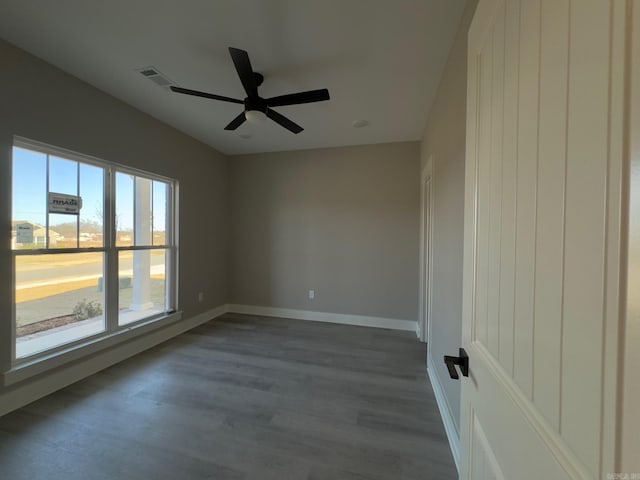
(359, 320)
(31, 390)
(445, 412)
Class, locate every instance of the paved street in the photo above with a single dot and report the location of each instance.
(47, 274)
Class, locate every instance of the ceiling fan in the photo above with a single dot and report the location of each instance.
(256, 108)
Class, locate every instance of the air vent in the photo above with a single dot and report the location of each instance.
(155, 76)
(160, 80)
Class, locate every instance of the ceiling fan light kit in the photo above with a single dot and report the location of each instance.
(256, 108)
(255, 116)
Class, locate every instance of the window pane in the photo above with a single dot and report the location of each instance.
(141, 210)
(142, 221)
(63, 176)
(124, 209)
(63, 231)
(159, 213)
(91, 214)
(142, 292)
(59, 299)
(29, 199)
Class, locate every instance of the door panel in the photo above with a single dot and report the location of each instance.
(509, 156)
(495, 183)
(483, 462)
(630, 413)
(484, 169)
(426, 255)
(542, 137)
(584, 274)
(526, 179)
(427, 260)
(550, 209)
(516, 437)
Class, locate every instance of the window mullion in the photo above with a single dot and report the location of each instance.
(46, 209)
(111, 260)
(171, 242)
(152, 205)
(78, 195)
(14, 321)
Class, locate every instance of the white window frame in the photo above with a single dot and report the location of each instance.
(27, 366)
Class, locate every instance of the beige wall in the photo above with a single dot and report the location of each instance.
(42, 103)
(444, 142)
(340, 221)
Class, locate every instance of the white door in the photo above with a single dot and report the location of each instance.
(542, 238)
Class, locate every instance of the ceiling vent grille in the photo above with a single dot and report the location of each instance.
(155, 76)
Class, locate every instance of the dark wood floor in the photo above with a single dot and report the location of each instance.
(242, 398)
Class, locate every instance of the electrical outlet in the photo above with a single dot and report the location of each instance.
(312, 294)
(200, 297)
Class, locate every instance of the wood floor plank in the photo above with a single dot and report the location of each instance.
(242, 398)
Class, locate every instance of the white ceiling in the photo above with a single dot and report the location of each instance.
(380, 59)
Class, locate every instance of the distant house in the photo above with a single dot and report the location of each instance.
(39, 235)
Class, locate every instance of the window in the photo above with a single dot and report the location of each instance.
(93, 248)
(141, 219)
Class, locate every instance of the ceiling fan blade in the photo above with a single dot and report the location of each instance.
(298, 98)
(196, 93)
(284, 121)
(236, 122)
(245, 72)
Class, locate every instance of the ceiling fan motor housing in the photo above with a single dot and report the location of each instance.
(256, 103)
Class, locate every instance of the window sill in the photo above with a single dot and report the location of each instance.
(32, 367)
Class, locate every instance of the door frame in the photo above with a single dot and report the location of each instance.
(426, 253)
